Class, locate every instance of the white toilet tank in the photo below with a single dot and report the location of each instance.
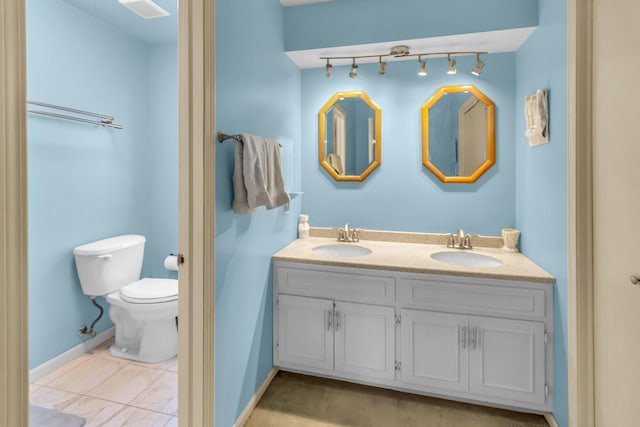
(107, 265)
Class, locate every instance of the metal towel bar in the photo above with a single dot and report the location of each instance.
(222, 137)
(106, 121)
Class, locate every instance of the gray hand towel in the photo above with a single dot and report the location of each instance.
(258, 163)
(239, 204)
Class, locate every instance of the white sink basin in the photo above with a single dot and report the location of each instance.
(467, 259)
(345, 250)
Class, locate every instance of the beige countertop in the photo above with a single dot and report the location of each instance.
(415, 258)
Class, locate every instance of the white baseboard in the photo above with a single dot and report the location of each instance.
(550, 420)
(73, 353)
(244, 416)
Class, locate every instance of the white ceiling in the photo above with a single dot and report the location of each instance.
(301, 2)
(492, 42)
(158, 30)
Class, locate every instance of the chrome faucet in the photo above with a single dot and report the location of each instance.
(348, 234)
(461, 241)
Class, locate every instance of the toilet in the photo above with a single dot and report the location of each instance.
(143, 310)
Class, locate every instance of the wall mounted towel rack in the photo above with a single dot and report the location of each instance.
(222, 137)
(105, 121)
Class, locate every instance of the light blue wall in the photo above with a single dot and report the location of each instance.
(535, 201)
(163, 155)
(257, 91)
(87, 182)
(402, 194)
(541, 178)
(351, 22)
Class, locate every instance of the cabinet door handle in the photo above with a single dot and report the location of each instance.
(329, 316)
(464, 337)
(473, 337)
(337, 319)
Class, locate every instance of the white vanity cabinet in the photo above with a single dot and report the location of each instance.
(434, 350)
(507, 359)
(305, 331)
(338, 336)
(485, 356)
(364, 340)
(474, 339)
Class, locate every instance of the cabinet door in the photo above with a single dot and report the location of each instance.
(434, 350)
(305, 332)
(507, 359)
(364, 340)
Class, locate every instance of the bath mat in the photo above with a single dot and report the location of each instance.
(43, 417)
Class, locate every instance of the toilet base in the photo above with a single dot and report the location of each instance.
(144, 337)
(162, 349)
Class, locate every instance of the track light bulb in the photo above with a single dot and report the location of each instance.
(329, 69)
(383, 68)
(354, 70)
(452, 65)
(479, 66)
(423, 67)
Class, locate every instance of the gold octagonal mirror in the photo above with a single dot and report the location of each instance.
(458, 134)
(349, 136)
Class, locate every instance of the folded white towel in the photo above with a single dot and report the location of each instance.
(258, 164)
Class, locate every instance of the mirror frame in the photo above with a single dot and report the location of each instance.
(491, 134)
(322, 124)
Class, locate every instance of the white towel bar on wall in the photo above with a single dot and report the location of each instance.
(105, 121)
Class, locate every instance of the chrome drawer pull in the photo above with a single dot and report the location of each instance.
(464, 337)
(474, 335)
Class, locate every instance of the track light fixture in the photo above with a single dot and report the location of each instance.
(452, 65)
(329, 69)
(479, 66)
(399, 52)
(354, 69)
(423, 67)
(383, 68)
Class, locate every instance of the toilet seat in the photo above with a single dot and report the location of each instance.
(150, 291)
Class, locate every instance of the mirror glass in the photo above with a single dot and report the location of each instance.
(349, 145)
(458, 134)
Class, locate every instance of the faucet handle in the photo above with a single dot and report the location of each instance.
(354, 235)
(450, 241)
(467, 242)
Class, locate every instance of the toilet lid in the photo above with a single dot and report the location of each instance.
(148, 291)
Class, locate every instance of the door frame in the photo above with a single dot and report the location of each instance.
(196, 213)
(14, 364)
(196, 234)
(580, 219)
(196, 74)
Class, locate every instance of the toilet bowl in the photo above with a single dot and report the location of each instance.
(143, 310)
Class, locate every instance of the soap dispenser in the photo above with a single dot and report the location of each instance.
(303, 227)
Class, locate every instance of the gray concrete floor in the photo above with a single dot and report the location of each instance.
(294, 400)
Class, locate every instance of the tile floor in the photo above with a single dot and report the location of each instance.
(112, 392)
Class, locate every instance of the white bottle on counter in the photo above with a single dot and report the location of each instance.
(303, 227)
